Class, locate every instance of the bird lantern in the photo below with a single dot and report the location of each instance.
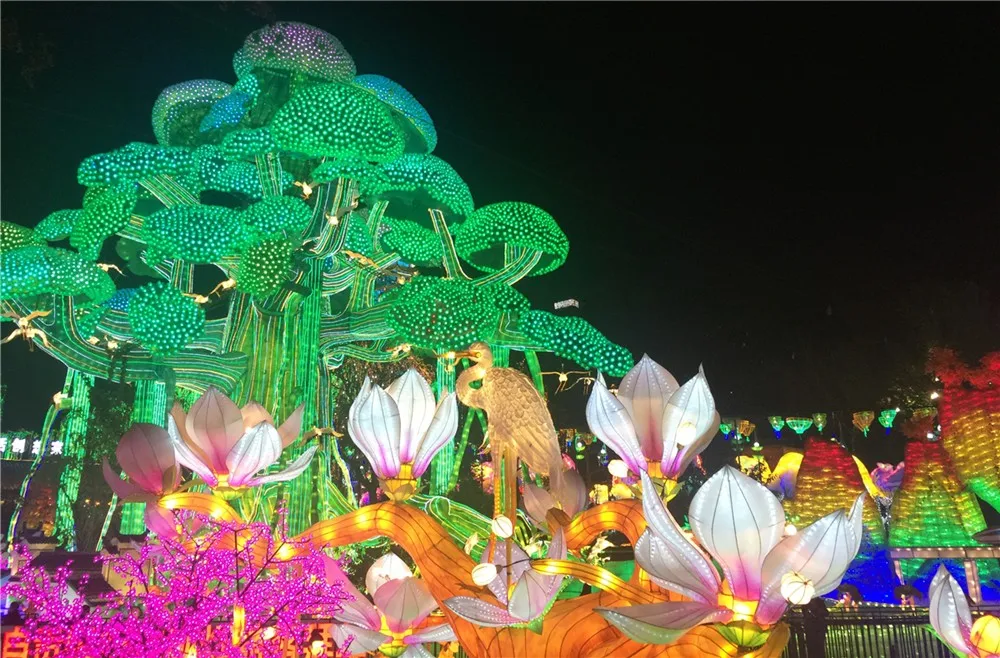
(863, 420)
(819, 420)
(777, 422)
(799, 425)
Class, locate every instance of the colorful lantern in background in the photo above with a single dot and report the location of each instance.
(819, 420)
(744, 429)
(777, 422)
(799, 425)
(886, 418)
(727, 429)
(863, 420)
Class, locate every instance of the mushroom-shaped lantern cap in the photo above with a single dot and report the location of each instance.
(163, 319)
(58, 225)
(37, 270)
(13, 236)
(442, 314)
(418, 182)
(297, 48)
(104, 214)
(483, 238)
(276, 216)
(180, 109)
(132, 163)
(247, 143)
(421, 136)
(198, 234)
(371, 180)
(338, 121)
(576, 339)
(414, 243)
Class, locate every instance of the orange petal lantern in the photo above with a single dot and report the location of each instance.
(863, 420)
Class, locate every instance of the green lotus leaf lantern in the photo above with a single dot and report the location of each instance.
(886, 417)
(819, 420)
(777, 422)
(863, 420)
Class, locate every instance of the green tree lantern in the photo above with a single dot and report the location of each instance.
(442, 314)
(575, 338)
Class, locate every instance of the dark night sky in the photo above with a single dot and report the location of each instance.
(779, 191)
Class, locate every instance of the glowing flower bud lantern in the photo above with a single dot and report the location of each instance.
(777, 422)
(886, 417)
(618, 468)
(655, 425)
(484, 574)
(799, 425)
(819, 419)
(400, 429)
(502, 527)
(863, 420)
(796, 588)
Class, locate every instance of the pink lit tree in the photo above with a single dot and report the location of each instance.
(217, 588)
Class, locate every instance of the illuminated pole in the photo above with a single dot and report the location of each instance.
(45, 438)
(443, 463)
(74, 435)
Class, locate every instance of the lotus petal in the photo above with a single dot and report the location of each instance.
(215, 424)
(415, 400)
(949, 612)
(365, 640)
(667, 555)
(186, 456)
(441, 633)
(160, 521)
(122, 488)
(146, 455)
(256, 450)
(610, 421)
(738, 521)
(373, 422)
(644, 392)
(359, 610)
(479, 612)
(441, 430)
(520, 562)
(537, 502)
(405, 603)
(573, 494)
(290, 472)
(662, 623)
(691, 403)
(531, 595)
(292, 427)
(254, 414)
(386, 568)
(821, 552)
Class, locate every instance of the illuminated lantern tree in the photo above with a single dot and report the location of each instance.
(829, 478)
(969, 409)
(312, 194)
(932, 508)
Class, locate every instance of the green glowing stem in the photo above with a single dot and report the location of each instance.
(50, 418)
(443, 463)
(112, 506)
(345, 473)
(535, 369)
(74, 433)
(269, 171)
(452, 266)
(470, 416)
(519, 263)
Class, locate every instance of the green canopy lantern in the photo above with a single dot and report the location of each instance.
(800, 425)
(777, 422)
(726, 427)
(886, 417)
(819, 420)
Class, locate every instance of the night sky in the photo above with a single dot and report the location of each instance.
(799, 196)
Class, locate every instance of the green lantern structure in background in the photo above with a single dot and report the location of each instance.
(312, 197)
(799, 425)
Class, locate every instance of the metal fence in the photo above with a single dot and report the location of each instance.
(865, 632)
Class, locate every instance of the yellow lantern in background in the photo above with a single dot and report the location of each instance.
(985, 635)
(797, 589)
